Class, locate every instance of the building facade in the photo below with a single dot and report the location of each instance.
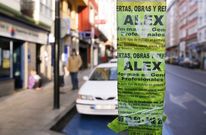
(70, 26)
(202, 33)
(187, 17)
(172, 41)
(21, 41)
(107, 19)
(188, 22)
(81, 33)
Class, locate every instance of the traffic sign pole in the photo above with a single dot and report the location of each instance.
(56, 104)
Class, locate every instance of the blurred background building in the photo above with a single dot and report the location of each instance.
(186, 32)
(89, 29)
(107, 14)
(172, 40)
(202, 32)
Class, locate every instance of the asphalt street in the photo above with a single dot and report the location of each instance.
(185, 102)
(185, 107)
(89, 125)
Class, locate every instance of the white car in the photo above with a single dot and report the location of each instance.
(114, 60)
(98, 95)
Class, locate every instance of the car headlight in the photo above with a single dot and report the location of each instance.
(85, 97)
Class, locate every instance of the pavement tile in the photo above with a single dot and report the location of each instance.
(30, 112)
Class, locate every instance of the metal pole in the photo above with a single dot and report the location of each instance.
(56, 53)
(11, 59)
(92, 48)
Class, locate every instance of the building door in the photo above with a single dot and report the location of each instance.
(83, 54)
(5, 66)
(38, 59)
(17, 64)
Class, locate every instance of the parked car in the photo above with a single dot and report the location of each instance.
(114, 60)
(185, 62)
(194, 63)
(181, 61)
(167, 59)
(190, 62)
(98, 95)
(173, 60)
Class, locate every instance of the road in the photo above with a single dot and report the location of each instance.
(185, 101)
(89, 125)
(185, 106)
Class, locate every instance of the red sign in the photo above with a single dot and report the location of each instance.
(101, 21)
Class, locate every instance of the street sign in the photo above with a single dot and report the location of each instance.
(141, 28)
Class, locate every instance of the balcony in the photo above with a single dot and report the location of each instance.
(27, 7)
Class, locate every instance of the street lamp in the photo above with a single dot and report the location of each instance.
(56, 104)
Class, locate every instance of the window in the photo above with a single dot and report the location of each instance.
(183, 8)
(104, 74)
(205, 35)
(182, 33)
(183, 22)
(192, 30)
(192, 16)
(41, 7)
(200, 20)
(193, 2)
(200, 36)
(4, 59)
(46, 8)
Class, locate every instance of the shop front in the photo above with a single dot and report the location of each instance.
(11, 64)
(18, 53)
(202, 50)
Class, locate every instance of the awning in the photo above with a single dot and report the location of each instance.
(171, 47)
(82, 2)
(100, 35)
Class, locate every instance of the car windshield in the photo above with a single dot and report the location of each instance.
(104, 74)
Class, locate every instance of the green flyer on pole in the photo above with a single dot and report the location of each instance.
(141, 28)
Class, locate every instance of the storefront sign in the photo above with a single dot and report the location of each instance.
(141, 30)
(14, 31)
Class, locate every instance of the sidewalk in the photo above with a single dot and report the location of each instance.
(30, 112)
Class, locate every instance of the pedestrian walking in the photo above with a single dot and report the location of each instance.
(74, 64)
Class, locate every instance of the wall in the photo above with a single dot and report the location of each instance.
(202, 21)
(46, 59)
(32, 59)
(172, 25)
(29, 62)
(83, 18)
(15, 4)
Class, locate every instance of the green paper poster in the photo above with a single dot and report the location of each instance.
(141, 30)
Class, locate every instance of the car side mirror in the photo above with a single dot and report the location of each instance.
(85, 78)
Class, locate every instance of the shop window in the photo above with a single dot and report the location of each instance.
(200, 36)
(4, 59)
(205, 35)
